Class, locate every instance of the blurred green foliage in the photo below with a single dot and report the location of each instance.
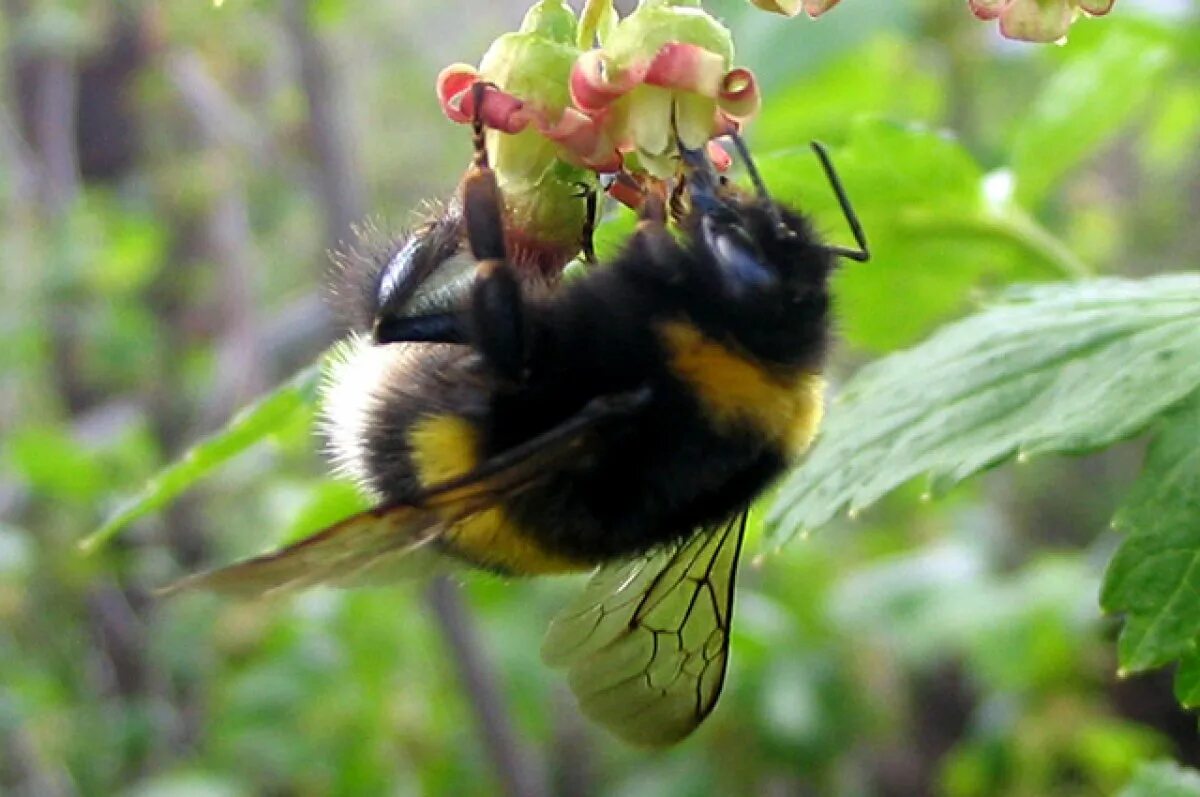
(952, 647)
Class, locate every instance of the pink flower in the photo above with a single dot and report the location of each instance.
(661, 72)
(664, 70)
(790, 8)
(1037, 20)
(582, 140)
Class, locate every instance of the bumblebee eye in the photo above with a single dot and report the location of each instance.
(742, 265)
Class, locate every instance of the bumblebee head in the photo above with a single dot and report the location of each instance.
(757, 248)
(764, 269)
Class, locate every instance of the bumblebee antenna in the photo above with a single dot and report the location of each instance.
(760, 187)
(861, 254)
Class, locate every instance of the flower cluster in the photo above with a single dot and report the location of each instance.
(1037, 20)
(571, 98)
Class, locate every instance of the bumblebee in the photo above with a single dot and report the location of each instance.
(620, 423)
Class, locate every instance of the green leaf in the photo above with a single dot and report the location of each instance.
(55, 465)
(187, 784)
(887, 78)
(1085, 104)
(1163, 779)
(1066, 367)
(933, 231)
(613, 231)
(267, 415)
(1155, 575)
(1187, 679)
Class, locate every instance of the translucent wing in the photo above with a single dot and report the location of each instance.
(393, 542)
(354, 551)
(647, 641)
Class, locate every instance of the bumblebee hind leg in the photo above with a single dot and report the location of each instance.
(494, 323)
(587, 234)
(497, 316)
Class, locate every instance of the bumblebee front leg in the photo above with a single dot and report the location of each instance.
(496, 319)
(587, 235)
(651, 237)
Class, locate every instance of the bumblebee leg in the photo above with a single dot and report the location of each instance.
(677, 204)
(496, 321)
(586, 243)
(435, 328)
(651, 237)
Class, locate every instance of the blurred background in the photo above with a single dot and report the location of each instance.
(172, 176)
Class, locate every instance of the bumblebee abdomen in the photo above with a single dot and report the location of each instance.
(447, 446)
(783, 407)
(401, 418)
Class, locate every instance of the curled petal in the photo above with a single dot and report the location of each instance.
(989, 9)
(687, 67)
(1096, 8)
(788, 8)
(453, 84)
(501, 111)
(595, 84)
(815, 8)
(585, 139)
(738, 96)
(719, 157)
(581, 137)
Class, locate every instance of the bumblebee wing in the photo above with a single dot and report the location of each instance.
(647, 641)
(391, 542)
(333, 556)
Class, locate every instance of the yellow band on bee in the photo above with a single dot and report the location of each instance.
(738, 392)
(445, 447)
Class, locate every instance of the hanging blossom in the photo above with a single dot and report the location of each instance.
(1037, 20)
(543, 150)
(664, 68)
(790, 8)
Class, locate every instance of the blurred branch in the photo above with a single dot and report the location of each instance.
(573, 767)
(120, 639)
(516, 772)
(241, 362)
(291, 337)
(17, 157)
(53, 84)
(297, 333)
(217, 116)
(338, 181)
(27, 771)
